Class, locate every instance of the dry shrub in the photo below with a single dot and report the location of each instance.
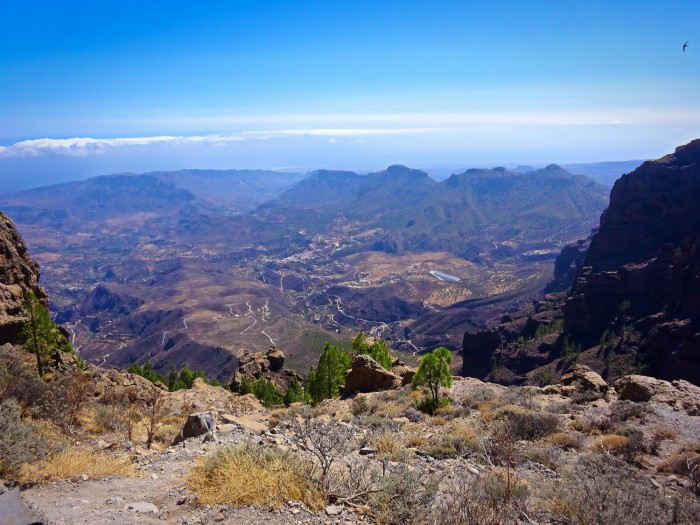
(663, 433)
(478, 395)
(527, 425)
(326, 440)
(390, 410)
(404, 497)
(250, 475)
(487, 409)
(20, 442)
(602, 489)
(391, 447)
(361, 405)
(498, 498)
(169, 429)
(547, 455)
(523, 396)
(276, 416)
(680, 464)
(415, 440)
(63, 399)
(73, 462)
(692, 446)
(100, 418)
(565, 441)
(623, 411)
(454, 440)
(611, 444)
(438, 421)
(584, 427)
(18, 378)
(453, 411)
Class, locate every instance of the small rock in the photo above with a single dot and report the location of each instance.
(84, 477)
(182, 500)
(368, 451)
(334, 510)
(473, 471)
(141, 507)
(154, 476)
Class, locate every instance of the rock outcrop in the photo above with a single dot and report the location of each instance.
(679, 394)
(366, 375)
(18, 273)
(264, 365)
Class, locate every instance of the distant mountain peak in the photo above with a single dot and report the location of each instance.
(554, 167)
(398, 168)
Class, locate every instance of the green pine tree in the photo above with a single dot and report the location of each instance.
(378, 350)
(434, 372)
(40, 334)
(326, 380)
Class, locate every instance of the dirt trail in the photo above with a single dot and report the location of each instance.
(161, 482)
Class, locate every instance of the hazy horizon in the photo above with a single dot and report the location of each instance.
(89, 89)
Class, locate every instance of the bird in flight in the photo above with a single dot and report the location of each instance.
(685, 45)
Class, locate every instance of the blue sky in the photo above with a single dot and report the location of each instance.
(353, 84)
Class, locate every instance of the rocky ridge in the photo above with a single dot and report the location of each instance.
(634, 302)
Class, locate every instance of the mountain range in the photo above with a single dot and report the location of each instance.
(173, 266)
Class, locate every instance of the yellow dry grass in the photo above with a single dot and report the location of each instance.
(250, 475)
(390, 446)
(564, 440)
(460, 429)
(392, 409)
(72, 462)
(438, 421)
(610, 444)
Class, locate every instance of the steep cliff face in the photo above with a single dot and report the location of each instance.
(18, 273)
(644, 264)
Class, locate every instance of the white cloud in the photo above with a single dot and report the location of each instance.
(87, 146)
(458, 128)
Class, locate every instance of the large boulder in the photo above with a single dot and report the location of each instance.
(197, 424)
(679, 394)
(643, 388)
(584, 380)
(366, 375)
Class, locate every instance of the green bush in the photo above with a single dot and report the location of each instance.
(264, 390)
